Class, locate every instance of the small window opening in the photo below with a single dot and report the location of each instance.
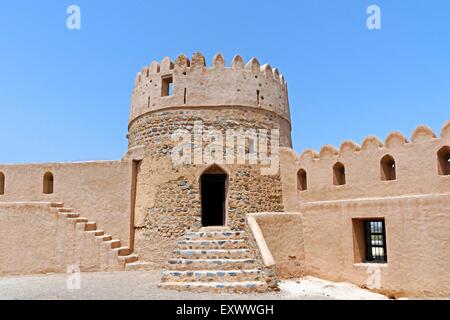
(257, 97)
(48, 183)
(369, 240)
(148, 102)
(375, 241)
(387, 164)
(338, 174)
(302, 183)
(185, 95)
(166, 88)
(444, 161)
(2, 184)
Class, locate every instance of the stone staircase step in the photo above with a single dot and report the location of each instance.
(56, 204)
(213, 259)
(81, 220)
(90, 226)
(232, 287)
(123, 251)
(212, 244)
(96, 233)
(210, 264)
(113, 243)
(212, 275)
(213, 253)
(69, 214)
(65, 210)
(129, 258)
(137, 266)
(214, 235)
(99, 233)
(105, 237)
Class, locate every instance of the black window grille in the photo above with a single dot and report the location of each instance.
(375, 241)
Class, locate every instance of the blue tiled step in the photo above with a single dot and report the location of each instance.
(216, 235)
(247, 286)
(214, 259)
(212, 244)
(211, 264)
(212, 275)
(213, 253)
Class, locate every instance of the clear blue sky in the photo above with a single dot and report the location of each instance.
(65, 95)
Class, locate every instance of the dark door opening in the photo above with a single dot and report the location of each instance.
(213, 199)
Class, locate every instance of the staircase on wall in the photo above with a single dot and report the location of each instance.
(123, 258)
(214, 259)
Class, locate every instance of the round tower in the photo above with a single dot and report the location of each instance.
(171, 99)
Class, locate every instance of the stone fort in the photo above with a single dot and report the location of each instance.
(376, 214)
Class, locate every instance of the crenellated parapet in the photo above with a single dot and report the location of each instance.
(397, 166)
(394, 139)
(186, 83)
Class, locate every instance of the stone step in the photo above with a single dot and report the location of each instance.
(106, 237)
(137, 266)
(123, 251)
(81, 220)
(69, 214)
(213, 254)
(212, 244)
(113, 243)
(212, 275)
(99, 233)
(129, 258)
(56, 204)
(211, 264)
(65, 210)
(214, 235)
(90, 226)
(232, 287)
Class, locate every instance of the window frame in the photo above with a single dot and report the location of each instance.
(167, 85)
(368, 237)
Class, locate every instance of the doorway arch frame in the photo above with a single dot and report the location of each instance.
(214, 169)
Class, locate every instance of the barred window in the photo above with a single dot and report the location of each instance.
(375, 241)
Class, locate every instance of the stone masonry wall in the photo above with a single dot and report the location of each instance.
(168, 198)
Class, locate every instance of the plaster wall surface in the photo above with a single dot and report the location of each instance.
(283, 233)
(99, 191)
(417, 238)
(416, 166)
(415, 207)
(196, 85)
(36, 239)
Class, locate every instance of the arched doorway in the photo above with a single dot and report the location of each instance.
(213, 187)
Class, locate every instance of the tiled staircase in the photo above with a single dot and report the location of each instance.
(215, 260)
(123, 258)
